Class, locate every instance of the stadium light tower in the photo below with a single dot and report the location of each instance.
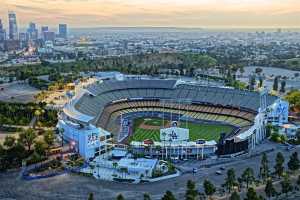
(263, 99)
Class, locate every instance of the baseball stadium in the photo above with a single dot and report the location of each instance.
(135, 111)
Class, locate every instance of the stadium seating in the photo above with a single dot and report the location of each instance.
(108, 100)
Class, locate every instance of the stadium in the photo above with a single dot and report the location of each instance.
(202, 120)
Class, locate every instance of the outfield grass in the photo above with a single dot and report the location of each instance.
(154, 121)
(197, 131)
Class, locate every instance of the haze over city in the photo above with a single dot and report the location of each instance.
(166, 13)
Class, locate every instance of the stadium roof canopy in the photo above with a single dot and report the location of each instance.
(74, 114)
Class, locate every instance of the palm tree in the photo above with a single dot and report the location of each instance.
(248, 176)
(91, 196)
(37, 114)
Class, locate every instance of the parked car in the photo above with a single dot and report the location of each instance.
(218, 172)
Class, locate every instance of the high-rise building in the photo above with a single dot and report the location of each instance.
(23, 38)
(13, 28)
(62, 31)
(12, 45)
(2, 32)
(49, 36)
(43, 30)
(2, 36)
(32, 31)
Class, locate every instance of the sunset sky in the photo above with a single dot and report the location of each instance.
(170, 13)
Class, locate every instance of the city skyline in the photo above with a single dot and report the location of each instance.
(157, 13)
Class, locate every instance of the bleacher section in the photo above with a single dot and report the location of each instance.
(237, 118)
(236, 107)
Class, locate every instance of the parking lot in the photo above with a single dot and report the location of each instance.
(17, 92)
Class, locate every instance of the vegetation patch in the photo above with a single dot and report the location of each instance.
(22, 114)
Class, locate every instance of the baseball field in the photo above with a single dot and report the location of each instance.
(149, 128)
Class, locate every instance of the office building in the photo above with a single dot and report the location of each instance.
(2, 32)
(23, 38)
(13, 28)
(63, 31)
(32, 32)
(12, 45)
(2, 36)
(43, 30)
(49, 36)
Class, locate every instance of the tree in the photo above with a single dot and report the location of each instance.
(275, 84)
(37, 114)
(40, 148)
(251, 194)
(298, 135)
(49, 137)
(269, 129)
(168, 196)
(27, 138)
(282, 86)
(120, 197)
(264, 169)
(91, 196)
(230, 180)
(261, 82)
(235, 196)
(2, 151)
(279, 168)
(294, 163)
(269, 189)
(209, 188)
(252, 82)
(293, 97)
(115, 165)
(248, 176)
(9, 141)
(258, 70)
(286, 185)
(191, 192)
(147, 196)
(298, 180)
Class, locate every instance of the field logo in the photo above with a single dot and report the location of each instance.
(174, 134)
(281, 109)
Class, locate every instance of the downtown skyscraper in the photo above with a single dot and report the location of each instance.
(62, 31)
(13, 28)
(2, 32)
(2, 36)
(32, 31)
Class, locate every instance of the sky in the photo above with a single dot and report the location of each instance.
(156, 13)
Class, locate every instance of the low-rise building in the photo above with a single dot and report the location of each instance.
(289, 130)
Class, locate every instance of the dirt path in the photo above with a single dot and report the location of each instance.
(152, 127)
